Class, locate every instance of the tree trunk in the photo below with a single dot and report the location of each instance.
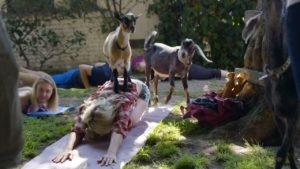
(257, 124)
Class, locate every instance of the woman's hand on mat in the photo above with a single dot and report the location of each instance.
(108, 159)
(63, 156)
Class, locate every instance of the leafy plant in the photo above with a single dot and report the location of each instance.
(31, 37)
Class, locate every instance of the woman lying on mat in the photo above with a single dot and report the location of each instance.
(106, 112)
(83, 76)
(42, 96)
(196, 72)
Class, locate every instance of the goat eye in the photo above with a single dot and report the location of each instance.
(126, 21)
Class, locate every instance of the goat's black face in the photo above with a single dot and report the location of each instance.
(128, 22)
(187, 51)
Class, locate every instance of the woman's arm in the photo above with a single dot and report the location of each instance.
(85, 72)
(111, 154)
(100, 64)
(67, 154)
(24, 95)
(138, 112)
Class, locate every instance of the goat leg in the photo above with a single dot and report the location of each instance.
(292, 123)
(126, 79)
(286, 145)
(155, 83)
(185, 87)
(147, 75)
(172, 86)
(291, 157)
(115, 80)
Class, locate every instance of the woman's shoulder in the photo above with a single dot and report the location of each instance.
(24, 91)
(138, 82)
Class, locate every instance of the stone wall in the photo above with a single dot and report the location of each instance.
(91, 52)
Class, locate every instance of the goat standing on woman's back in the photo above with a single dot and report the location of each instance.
(117, 49)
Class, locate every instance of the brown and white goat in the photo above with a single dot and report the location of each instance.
(117, 49)
(167, 61)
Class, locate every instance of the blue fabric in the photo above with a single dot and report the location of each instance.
(61, 110)
(69, 79)
(293, 39)
(201, 73)
(145, 93)
(100, 74)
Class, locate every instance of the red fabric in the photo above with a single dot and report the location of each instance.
(228, 110)
(122, 122)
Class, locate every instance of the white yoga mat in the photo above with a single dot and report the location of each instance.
(86, 155)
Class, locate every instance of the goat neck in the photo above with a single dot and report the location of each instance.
(274, 12)
(122, 39)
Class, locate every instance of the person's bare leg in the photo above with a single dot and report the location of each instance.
(224, 73)
(28, 77)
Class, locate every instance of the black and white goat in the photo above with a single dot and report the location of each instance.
(117, 49)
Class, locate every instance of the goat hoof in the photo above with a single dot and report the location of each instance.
(126, 90)
(116, 90)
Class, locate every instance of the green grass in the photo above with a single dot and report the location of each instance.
(164, 148)
(163, 133)
(256, 158)
(189, 161)
(79, 93)
(40, 132)
(223, 152)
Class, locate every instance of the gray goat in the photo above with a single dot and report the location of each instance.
(168, 61)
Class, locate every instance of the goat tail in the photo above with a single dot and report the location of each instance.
(200, 52)
(150, 40)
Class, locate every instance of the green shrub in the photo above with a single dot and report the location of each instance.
(218, 22)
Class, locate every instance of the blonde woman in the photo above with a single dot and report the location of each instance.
(106, 112)
(42, 96)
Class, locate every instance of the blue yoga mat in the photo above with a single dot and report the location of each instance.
(61, 110)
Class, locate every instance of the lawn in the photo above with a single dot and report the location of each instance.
(174, 144)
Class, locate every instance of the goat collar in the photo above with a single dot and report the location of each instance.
(275, 72)
(119, 47)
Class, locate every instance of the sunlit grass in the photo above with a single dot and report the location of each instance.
(164, 148)
(189, 161)
(165, 132)
(40, 132)
(256, 157)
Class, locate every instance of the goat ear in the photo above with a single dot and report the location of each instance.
(118, 16)
(251, 25)
(200, 52)
(136, 17)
